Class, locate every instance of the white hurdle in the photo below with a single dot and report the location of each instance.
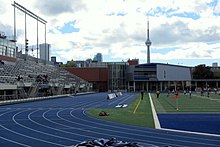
(113, 95)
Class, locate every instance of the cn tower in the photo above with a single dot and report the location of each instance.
(148, 43)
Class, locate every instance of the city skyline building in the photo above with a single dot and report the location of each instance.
(53, 59)
(45, 51)
(98, 57)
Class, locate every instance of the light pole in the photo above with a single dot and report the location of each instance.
(31, 14)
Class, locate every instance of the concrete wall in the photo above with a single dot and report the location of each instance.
(97, 76)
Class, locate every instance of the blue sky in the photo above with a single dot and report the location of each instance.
(184, 32)
(69, 27)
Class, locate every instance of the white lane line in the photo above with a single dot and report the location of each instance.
(159, 127)
(20, 134)
(90, 126)
(156, 120)
(154, 134)
(189, 132)
(207, 98)
(13, 118)
(119, 130)
(118, 99)
(15, 142)
(43, 115)
(7, 139)
(130, 130)
(8, 112)
(126, 99)
(158, 133)
(66, 126)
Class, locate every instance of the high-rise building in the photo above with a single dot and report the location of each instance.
(53, 59)
(45, 51)
(98, 57)
(215, 64)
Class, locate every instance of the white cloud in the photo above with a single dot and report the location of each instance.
(102, 30)
(191, 51)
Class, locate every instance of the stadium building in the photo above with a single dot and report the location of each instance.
(131, 76)
(7, 49)
(158, 76)
(105, 76)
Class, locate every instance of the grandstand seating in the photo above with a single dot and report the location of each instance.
(26, 71)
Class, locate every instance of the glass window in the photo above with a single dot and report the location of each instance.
(1, 48)
(7, 48)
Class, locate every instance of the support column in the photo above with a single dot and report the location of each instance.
(161, 86)
(5, 94)
(128, 86)
(168, 85)
(206, 85)
(183, 85)
(190, 85)
(175, 85)
(25, 36)
(16, 94)
(15, 24)
(147, 86)
(45, 39)
(196, 85)
(37, 40)
(134, 86)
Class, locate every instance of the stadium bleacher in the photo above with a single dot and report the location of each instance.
(32, 77)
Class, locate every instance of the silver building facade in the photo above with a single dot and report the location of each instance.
(157, 76)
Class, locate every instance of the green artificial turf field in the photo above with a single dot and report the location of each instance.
(142, 116)
(185, 103)
(164, 104)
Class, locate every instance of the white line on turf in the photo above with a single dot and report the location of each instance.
(156, 120)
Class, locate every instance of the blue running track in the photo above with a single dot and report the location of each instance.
(64, 122)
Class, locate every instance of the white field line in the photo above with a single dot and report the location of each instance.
(156, 120)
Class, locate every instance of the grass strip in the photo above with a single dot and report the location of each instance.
(142, 117)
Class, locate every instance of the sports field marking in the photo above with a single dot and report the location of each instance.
(118, 100)
(190, 132)
(156, 120)
(157, 104)
(203, 97)
(137, 106)
(18, 143)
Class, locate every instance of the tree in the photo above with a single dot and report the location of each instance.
(69, 64)
(202, 72)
